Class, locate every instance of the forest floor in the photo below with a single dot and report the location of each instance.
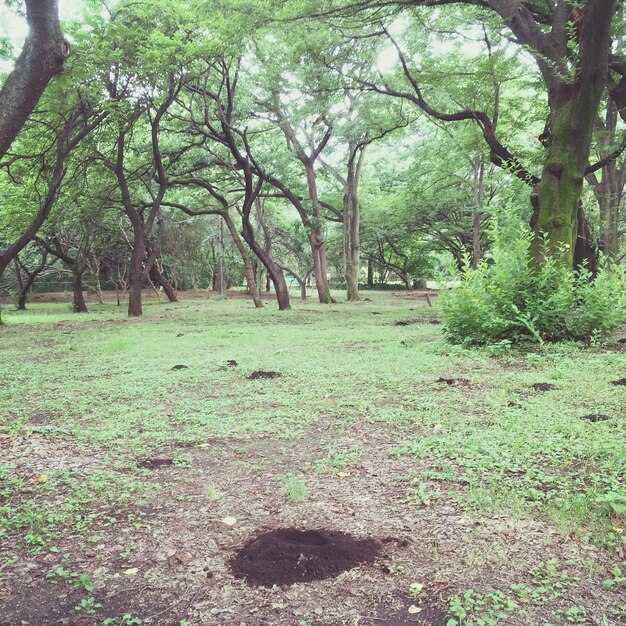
(138, 458)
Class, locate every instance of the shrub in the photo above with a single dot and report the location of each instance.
(505, 299)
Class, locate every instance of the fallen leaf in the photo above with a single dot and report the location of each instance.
(42, 478)
(414, 609)
(133, 571)
(437, 426)
(343, 474)
(203, 445)
(229, 521)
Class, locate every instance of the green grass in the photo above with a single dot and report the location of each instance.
(104, 386)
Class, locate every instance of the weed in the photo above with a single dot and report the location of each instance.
(295, 488)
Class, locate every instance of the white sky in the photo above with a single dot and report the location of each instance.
(15, 27)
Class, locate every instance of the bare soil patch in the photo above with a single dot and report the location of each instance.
(155, 463)
(263, 374)
(596, 417)
(543, 386)
(621, 382)
(289, 555)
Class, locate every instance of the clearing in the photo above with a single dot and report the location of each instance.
(155, 469)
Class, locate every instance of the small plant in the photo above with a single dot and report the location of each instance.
(474, 608)
(295, 488)
(615, 501)
(124, 554)
(76, 580)
(212, 492)
(88, 605)
(575, 615)
(618, 579)
(415, 589)
(418, 496)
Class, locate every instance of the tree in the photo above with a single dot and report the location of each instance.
(571, 45)
(42, 57)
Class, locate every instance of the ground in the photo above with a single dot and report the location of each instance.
(129, 486)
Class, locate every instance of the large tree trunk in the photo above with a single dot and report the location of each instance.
(574, 107)
(42, 57)
(352, 225)
(316, 239)
(78, 305)
(21, 291)
(136, 274)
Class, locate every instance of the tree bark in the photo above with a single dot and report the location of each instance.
(42, 57)
(574, 104)
(136, 274)
(352, 222)
(78, 305)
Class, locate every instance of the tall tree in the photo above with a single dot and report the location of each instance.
(42, 57)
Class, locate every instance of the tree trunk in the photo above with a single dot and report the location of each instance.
(574, 107)
(158, 279)
(79, 305)
(352, 222)
(42, 57)
(248, 269)
(479, 172)
(303, 290)
(351, 244)
(136, 274)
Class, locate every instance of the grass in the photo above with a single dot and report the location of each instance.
(84, 398)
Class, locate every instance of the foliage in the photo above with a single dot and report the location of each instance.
(507, 299)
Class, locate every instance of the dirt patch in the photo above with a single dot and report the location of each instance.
(621, 382)
(261, 374)
(427, 611)
(180, 367)
(543, 386)
(454, 382)
(155, 463)
(596, 417)
(406, 322)
(231, 363)
(289, 555)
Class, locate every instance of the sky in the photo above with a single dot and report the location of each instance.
(15, 28)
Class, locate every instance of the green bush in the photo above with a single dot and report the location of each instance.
(505, 299)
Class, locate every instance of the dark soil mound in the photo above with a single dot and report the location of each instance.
(622, 340)
(596, 417)
(463, 382)
(621, 382)
(261, 374)
(155, 463)
(231, 363)
(406, 322)
(543, 386)
(289, 555)
(180, 367)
